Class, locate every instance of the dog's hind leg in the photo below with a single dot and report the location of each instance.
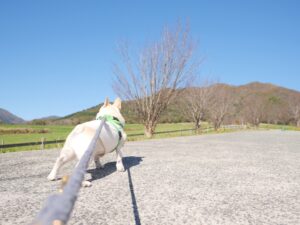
(97, 162)
(65, 156)
(119, 164)
(100, 151)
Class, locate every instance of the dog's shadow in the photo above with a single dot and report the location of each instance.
(110, 167)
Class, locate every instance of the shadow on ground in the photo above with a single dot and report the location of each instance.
(110, 167)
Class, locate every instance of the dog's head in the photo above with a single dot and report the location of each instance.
(112, 109)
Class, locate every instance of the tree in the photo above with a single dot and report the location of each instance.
(274, 108)
(294, 108)
(219, 104)
(196, 102)
(254, 109)
(158, 70)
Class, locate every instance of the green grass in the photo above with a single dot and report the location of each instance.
(279, 127)
(139, 128)
(54, 132)
(60, 132)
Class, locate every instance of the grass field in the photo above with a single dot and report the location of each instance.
(54, 132)
(281, 127)
(60, 132)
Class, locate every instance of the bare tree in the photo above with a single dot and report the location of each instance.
(254, 109)
(219, 105)
(152, 77)
(294, 108)
(274, 108)
(196, 101)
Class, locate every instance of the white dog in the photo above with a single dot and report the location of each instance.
(112, 137)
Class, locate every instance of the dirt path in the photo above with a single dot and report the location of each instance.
(235, 178)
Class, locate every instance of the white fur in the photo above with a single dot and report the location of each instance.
(79, 139)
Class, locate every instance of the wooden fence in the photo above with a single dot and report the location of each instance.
(43, 142)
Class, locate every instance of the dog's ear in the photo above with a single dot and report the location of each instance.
(118, 103)
(106, 102)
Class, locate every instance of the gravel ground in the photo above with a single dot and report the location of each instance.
(248, 177)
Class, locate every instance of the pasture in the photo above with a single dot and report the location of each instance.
(249, 177)
(12, 134)
(22, 133)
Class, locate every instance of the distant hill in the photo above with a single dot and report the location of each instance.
(263, 91)
(49, 118)
(43, 120)
(274, 101)
(8, 117)
(46, 118)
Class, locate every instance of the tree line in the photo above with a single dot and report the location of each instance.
(219, 104)
(166, 71)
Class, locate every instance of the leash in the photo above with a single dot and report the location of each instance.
(58, 207)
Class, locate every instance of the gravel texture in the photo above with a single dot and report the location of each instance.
(250, 177)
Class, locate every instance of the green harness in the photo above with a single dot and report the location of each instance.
(115, 122)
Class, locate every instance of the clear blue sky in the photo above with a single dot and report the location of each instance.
(56, 56)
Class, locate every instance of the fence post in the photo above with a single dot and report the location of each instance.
(2, 143)
(42, 143)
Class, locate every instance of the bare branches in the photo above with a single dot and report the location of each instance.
(254, 109)
(220, 103)
(161, 68)
(294, 109)
(196, 101)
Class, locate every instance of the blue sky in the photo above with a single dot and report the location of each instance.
(56, 57)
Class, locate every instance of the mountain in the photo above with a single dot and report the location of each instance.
(7, 117)
(44, 120)
(48, 118)
(240, 95)
(272, 103)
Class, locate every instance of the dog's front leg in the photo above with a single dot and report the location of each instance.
(97, 162)
(84, 183)
(119, 164)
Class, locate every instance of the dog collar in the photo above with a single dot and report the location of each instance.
(112, 120)
(116, 123)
